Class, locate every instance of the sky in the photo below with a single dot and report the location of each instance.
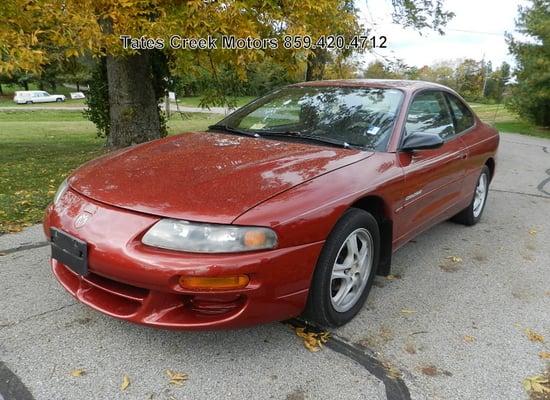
(476, 31)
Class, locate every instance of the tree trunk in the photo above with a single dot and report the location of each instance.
(133, 110)
(1, 90)
(316, 62)
(77, 86)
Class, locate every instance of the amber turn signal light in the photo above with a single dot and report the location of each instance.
(213, 283)
(254, 239)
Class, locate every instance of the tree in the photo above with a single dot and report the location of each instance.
(31, 28)
(469, 78)
(496, 82)
(530, 96)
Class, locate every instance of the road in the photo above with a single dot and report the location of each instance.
(453, 321)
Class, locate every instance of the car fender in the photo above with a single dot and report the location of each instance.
(308, 212)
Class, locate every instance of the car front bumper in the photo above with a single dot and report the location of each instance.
(138, 283)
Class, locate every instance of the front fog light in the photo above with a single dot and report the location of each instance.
(181, 235)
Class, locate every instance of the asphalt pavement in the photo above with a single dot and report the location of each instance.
(457, 320)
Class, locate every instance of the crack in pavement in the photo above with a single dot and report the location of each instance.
(24, 247)
(396, 389)
(520, 193)
(525, 144)
(34, 316)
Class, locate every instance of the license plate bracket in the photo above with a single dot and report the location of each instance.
(69, 251)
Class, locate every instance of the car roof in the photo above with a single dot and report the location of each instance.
(402, 84)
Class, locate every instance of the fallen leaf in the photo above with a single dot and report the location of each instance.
(391, 370)
(545, 355)
(534, 336)
(410, 348)
(407, 311)
(312, 341)
(2, 253)
(429, 370)
(537, 384)
(176, 378)
(125, 382)
(532, 231)
(469, 339)
(454, 259)
(78, 372)
(391, 277)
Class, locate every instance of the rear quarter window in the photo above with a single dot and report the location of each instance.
(463, 117)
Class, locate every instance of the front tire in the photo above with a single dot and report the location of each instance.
(345, 270)
(472, 214)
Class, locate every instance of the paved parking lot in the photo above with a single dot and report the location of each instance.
(453, 322)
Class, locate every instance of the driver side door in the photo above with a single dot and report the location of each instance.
(434, 177)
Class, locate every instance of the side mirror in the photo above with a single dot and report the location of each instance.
(421, 141)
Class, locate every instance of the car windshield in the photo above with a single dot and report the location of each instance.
(359, 117)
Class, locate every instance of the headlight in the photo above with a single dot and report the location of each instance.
(207, 238)
(60, 191)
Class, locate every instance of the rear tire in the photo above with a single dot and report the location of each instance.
(29, 102)
(345, 270)
(472, 214)
(59, 100)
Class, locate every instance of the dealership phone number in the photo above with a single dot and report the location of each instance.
(337, 42)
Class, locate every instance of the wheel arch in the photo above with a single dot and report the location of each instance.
(380, 210)
(490, 163)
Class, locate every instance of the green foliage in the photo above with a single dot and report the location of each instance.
(161, 77)
(530, 97)
(467, 76)
(496, 83)
(97, 99)
(421, 14)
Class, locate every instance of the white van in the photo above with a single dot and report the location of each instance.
(36, 96)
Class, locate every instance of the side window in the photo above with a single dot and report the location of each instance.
(462, 116)
(429, 113)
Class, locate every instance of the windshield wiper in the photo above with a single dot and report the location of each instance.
(324, 140)
(225, 128)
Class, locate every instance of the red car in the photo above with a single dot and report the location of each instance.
(289, 206)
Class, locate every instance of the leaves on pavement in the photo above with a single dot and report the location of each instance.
(312, 341)
(545, 355)
(538, 384)
(469, 338)
(78, 372)
(407, 311)
(391, 277)
(534, 336)
(454, 259)
(125, 382)
(176, 378)
(391, 370)
(532, 231)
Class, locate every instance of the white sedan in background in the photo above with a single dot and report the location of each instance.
(36, 96)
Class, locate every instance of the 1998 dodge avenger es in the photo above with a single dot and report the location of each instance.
(288, 206)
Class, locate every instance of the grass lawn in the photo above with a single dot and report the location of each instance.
(38, 149)
(506, 121)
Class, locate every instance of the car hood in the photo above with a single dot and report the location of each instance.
(205, 176)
